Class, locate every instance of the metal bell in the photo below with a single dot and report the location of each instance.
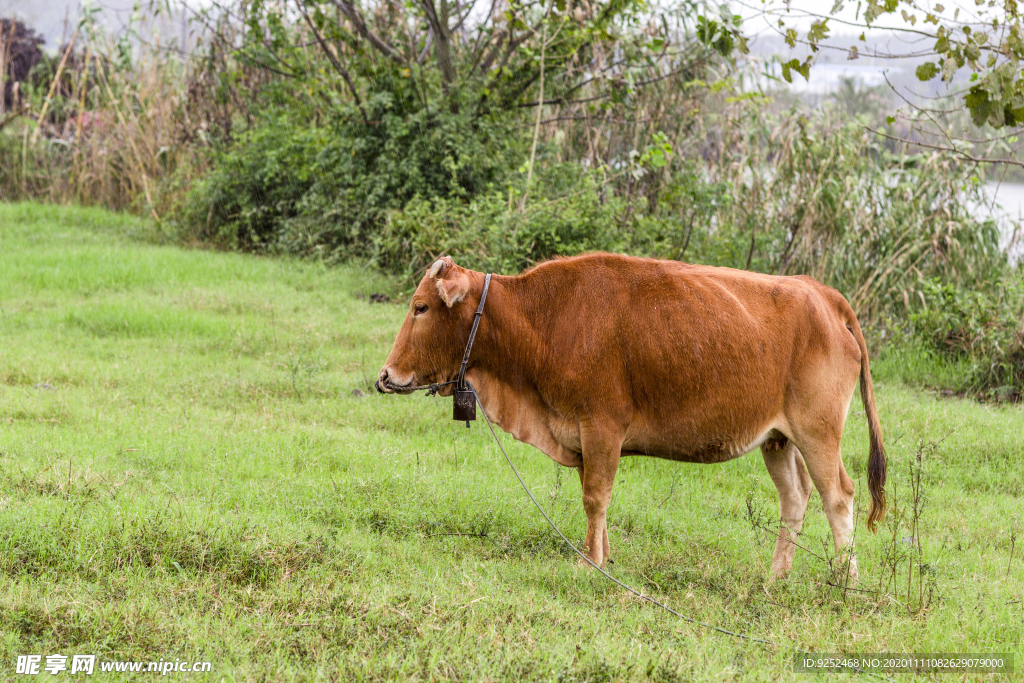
(464, 406)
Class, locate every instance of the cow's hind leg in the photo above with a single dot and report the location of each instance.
(825, 465)
(601, 452)
(787, 470)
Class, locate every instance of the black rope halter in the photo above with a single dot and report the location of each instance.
(467, 400)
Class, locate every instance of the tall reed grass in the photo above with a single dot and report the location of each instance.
(99, 124)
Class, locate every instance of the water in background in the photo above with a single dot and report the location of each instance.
(1006, 205)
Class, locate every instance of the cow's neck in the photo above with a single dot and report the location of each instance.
(507, 350)
(509, 357)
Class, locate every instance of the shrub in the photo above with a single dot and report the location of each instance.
(494, 232)
(291, 187)
(981, 331)
(254, 186)
(819, 194)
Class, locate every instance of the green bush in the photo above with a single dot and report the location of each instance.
(980, 331)
(818, 194)
(569, 210)
(256, 185)
(494, 232)
(289, 186)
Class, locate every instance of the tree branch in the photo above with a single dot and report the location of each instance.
(439, 28)
(13, 115)
(482, 30)
(427, 44)
(638, 84)
(334, 60)
(485, 65)
(960, 153)
(356, 18)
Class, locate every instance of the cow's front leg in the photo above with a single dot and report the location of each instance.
(601, 453)
(604, 531)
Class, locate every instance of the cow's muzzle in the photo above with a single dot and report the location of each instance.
(385, 385)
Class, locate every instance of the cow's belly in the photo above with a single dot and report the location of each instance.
(682, 442)
(688, 444)
(673, 435)
(681, 445)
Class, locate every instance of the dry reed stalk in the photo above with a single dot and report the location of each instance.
(83, 83)
(131, 142)
(540, 106)
(53, 86)
(5, 58)
(3, 66)
(24, 160)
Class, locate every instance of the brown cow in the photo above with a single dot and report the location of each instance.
(598, 356)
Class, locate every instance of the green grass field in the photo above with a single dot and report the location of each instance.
(193, 466)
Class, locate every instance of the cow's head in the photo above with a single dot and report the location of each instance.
(430, 345)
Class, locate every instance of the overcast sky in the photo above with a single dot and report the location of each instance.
(52, 18)
(48, 17)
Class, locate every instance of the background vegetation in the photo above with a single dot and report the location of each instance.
(504, 134)
(193, 465)
(192, 462)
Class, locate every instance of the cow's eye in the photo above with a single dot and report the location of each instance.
(420, 309)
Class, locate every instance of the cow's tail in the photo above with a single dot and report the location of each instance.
(876, 458)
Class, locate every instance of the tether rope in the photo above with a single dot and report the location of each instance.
(591, 562)
(551, 523)
(433, 388)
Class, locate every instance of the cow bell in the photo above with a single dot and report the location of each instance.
(464, 406)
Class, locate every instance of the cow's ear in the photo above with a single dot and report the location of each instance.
(451, 280)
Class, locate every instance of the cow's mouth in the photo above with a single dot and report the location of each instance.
(388, 387)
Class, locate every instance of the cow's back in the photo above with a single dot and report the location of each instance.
(694, 362)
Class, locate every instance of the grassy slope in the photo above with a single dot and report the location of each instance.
(187, 471)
